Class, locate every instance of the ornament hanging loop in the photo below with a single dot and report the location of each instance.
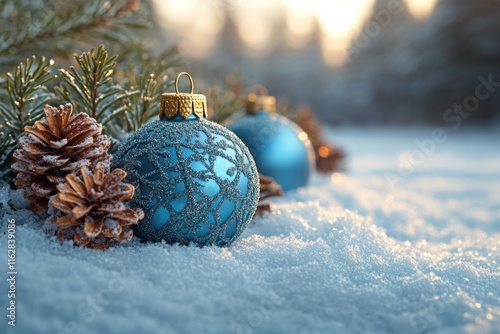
(256, 103)
(258, 88)
(190, 82)
(183, 104)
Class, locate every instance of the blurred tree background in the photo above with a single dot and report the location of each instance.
(403, 68)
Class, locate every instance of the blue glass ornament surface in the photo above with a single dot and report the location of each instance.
(194, 179)
(279, 147)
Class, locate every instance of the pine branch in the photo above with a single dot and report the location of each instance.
(268, 188)
(91, 89)
(121, 108)
(29, 25)
(26, 92)
(121, 102)
(151, 76)
(225, 100)
(329, 158)
(7, 147)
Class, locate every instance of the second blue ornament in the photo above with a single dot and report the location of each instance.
(281, 149)
(194, 179)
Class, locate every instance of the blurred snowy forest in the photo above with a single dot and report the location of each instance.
(400, 70)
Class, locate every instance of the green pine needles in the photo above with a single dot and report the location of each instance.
(26, 92)
(57, 28)
(121, 93)
(90, 88)
(150, 78)
(122, 100)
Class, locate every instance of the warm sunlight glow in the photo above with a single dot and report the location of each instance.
(262, 24)
(195, 22)
(341, 18)
(255, 20)
(340, 21)
(421, 8)
(299, 22)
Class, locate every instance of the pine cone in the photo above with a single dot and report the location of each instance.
(53, 147)
(91, 209)
(329, 158)
(268, 188)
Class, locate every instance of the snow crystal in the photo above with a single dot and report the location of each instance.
(26, 142)
(113, 207)
(348, 254)
(95, 152)
(112, 224)
(86, 142)
(20, 167)
(41, 191)
(77, 164)
(59, 143)
(54, 160)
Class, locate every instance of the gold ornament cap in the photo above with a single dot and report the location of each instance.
(184, 104)
(256, 103)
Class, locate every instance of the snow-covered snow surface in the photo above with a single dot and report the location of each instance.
(383, 248)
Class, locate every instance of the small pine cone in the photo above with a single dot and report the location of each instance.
(53, 147)
(91, 208)
(329, 158)
(268, 188)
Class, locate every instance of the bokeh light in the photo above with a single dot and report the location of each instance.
(421, 8)
(196, 24)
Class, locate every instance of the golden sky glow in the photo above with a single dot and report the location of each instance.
(421, 8)
(197, 23)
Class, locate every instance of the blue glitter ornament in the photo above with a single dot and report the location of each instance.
(194, 179)
(280, 148)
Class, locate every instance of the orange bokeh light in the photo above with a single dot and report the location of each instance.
(323, 151)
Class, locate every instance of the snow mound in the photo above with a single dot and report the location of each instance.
(348, 254)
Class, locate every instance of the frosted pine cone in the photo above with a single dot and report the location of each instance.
(53, 147)
(92, 212)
